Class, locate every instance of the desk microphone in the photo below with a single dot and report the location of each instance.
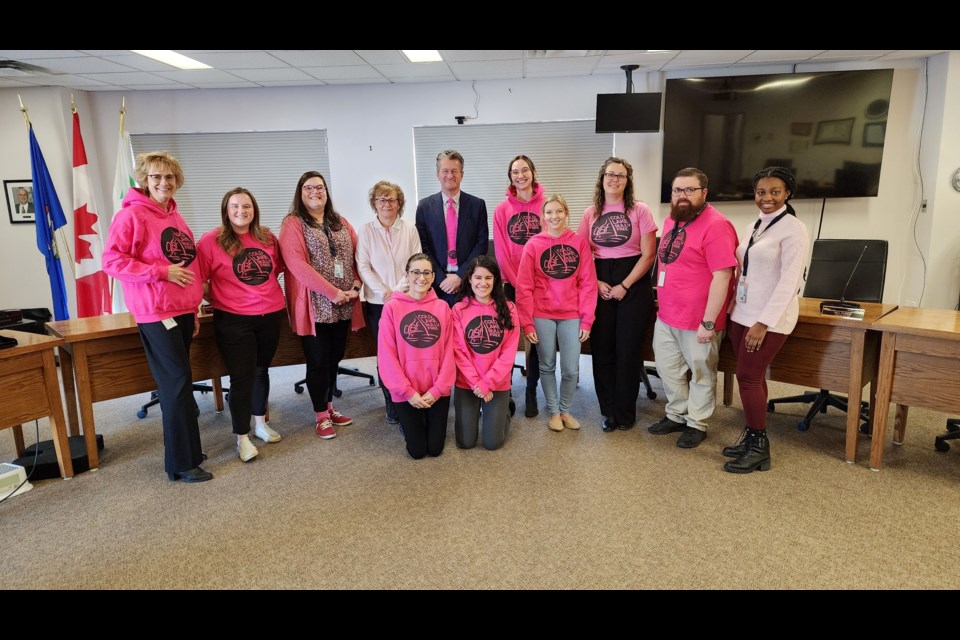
(841, 307)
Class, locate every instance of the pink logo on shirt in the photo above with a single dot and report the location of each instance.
(612, 229)
(177, 246)
(484, 334)
(252, 266)
(560, 261)
(523, 226)
(420, 329)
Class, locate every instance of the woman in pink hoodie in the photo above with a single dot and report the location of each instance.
(556, 297)
(151, 251)
(322, 284)
(515, 221)
(486, 333)
(416, 361)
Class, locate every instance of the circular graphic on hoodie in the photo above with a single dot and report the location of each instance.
(670, 251)
(523, 226)
(420, 329)
(612, 229)
(483, 334)
(252, 266)
(177, 246)
(560, 261)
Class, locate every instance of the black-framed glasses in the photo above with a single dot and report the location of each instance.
(383, 201)
(689, 191)
(609, 175)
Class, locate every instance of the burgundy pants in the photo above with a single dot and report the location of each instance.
(751, 372)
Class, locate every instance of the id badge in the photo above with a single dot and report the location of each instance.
(661, 277)
(337, 269)
(742, 290)
(169, 323)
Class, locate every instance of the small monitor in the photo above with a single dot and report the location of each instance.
(628, 112)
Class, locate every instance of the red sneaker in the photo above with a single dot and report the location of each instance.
(325, 430)
(338, 418)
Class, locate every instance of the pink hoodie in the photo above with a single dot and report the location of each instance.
(143, 241)
(514, 223)
(484, 351)
(245, 284)
(557, 280)
(415, 347)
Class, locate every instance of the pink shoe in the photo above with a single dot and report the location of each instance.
(325, 430)
(338, 418)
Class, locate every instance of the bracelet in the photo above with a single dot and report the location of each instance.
(625, 287)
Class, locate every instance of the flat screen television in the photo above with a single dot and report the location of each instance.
(829, 128)
(628, 112)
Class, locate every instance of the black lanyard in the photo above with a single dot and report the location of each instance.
(333, 247)
(677, 228)
(753, 238)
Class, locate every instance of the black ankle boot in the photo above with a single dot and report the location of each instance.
(531, 410)
(738, 449)
(757, 455)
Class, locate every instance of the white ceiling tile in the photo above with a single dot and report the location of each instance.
(10, 82)
(424, 79)
(647, 61)
(240, 60)
(225, 85)
(780, 56)
(509, 68)
(158, 87)
(128, 78)
(532, 54)
(274, 75)
(381, 56)
(343, 73)
(197, 76)
(33, 54)
(711, 57)
(473, 55)
(317, 58)
(294, 83)
(88, 64)
(619, 52)
(380, 80)
(566, 66)
(838, 54)
(414, 70)
(900, 55)
(64, 80)
(103, 53)
(139, 62)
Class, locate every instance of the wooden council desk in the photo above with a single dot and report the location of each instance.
(824, 352)
(919, 366)
(28, 377)
(102, 358)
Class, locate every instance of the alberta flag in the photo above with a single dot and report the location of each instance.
(93, 290)
(122, 181)
(49, 218)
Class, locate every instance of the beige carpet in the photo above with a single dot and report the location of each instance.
(570, 510)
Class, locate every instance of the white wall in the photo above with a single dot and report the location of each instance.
(371, 138)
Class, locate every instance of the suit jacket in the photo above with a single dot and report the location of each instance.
(471, 234)
(16, 207)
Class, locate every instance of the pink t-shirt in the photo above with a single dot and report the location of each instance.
(245, 284)
(687, 261)
(615, 234)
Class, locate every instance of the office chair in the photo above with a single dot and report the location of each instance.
(952, 433)
(155, 399)
(830, 269)
(341, 371)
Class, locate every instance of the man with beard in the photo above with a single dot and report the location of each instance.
(697, 257)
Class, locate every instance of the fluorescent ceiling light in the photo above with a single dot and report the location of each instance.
(422, 55)
(172, 58)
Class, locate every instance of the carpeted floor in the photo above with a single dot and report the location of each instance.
(550, 510)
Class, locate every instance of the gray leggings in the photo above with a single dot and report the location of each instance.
(496, 418)
(567, 333)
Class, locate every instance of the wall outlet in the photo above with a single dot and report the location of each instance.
(910, 303)
(923, 206)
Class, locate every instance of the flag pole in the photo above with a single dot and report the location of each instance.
(123, 113)
(26, 120)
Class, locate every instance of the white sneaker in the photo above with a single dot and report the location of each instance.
(246, 450)
(265, 433)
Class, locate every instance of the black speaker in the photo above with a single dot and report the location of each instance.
(46, 461)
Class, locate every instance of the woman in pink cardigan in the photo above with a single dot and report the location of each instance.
(323, 289)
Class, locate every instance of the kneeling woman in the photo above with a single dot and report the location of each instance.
(486, 335)
(415, 357)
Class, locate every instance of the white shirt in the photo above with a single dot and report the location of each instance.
(382, 262)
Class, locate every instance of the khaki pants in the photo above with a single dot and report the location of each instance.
(678, 352)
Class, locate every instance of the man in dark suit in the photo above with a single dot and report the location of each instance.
(460, 211)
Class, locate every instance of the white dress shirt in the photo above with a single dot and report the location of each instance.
(382, 259)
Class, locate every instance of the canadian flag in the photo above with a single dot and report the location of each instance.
(93, 290)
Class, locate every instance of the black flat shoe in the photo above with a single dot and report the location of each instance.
(192, 475)
(609, 424)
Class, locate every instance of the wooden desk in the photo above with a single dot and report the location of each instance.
(919, 366)
(102, 358)
(825, 352)
(28, 377)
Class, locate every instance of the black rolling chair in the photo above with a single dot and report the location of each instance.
(830, 269)
(342, 371)
(952, 433)
(155, 400)
(646, 372)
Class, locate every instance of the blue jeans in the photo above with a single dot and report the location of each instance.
(567, 333)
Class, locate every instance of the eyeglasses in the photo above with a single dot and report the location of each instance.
(156, 177)
(685, 190)
(615, 176)
(416, 273)
(383, 201)
(310, 188)
(523, 172)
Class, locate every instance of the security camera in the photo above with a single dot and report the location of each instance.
(460, 119)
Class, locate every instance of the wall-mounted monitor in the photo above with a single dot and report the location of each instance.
(628, 112)
(829, 128)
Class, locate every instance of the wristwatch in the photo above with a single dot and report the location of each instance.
(707, 325)
(356, 288)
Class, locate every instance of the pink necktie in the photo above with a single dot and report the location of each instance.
(451, 234)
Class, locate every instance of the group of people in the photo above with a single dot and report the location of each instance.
(447, 317)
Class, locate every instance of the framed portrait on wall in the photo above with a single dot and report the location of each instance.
(20, 203)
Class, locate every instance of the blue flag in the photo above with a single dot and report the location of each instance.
(49, 218)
